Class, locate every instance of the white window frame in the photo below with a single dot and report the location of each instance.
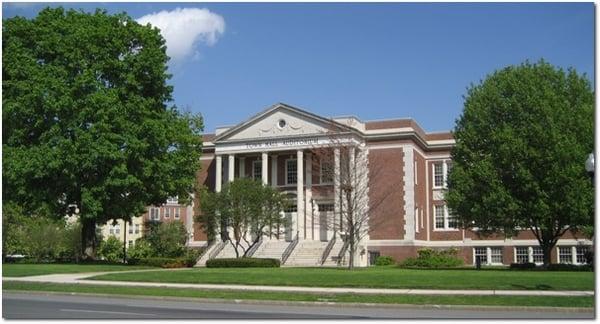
(446, 227)
(433, 165)
(286, 172)
(167, 212)
(137, 229)
(254, 164)
(320, 173)
(488, 254)
(583, 248)
(559, 254)
(117, 229)
(527, 254)
(157, 212)
(177, 213)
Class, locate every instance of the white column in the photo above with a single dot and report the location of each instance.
(574, 255)
(274, 170)
(445, 173)
(336, 190)
(242, 167)
(300, 192)
(529, 254)
(218, 171)
(231, 168)
(310, 219)
(265, 168)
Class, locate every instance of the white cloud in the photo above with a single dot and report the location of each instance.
(183, 29)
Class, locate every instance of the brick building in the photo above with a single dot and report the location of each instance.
(407, 170)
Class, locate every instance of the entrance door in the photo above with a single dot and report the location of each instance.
(325, 218)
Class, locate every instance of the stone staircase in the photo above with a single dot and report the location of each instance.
(332, 258)
(307, 254)
(271, 249)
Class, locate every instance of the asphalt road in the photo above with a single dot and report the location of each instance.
(52, 306)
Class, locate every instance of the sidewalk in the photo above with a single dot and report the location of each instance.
(79, 278)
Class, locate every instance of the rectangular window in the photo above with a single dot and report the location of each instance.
(118, 229)
(538, 254)
(438, 211)
(452, 220)
(326, 172)
(154, 213)
(137, 228)
(496, 255)
(438, 175)
(581, 250)
(291, 209)
(257, 170)
(522, 254)
(481, 253)
(167, 212)
(130, 243)
(130, 228)
(177, 213)
(417, 220)
(325, 207)
(291, 171)
(111, 230)
(565, 254)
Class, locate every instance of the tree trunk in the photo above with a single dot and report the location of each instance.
(547, 249)
(352, 249)
(88, 239)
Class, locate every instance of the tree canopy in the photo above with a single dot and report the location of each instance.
(244, 211)
(521, 144)
(87, 119)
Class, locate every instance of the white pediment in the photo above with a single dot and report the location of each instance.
(279, 121)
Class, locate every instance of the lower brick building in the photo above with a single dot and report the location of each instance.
(406, 167)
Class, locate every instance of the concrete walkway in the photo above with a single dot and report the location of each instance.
(79, 278)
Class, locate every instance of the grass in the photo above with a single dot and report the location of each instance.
(24, 269)
(372, 277)
(587, 302)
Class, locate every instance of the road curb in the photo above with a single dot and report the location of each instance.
(320, 304)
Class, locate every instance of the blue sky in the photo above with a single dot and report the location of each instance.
(374, 61)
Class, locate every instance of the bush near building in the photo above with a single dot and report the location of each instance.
(243, 263)
(111, 249)
(430, 258)
(384, 260)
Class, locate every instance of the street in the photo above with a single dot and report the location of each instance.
(53, 306)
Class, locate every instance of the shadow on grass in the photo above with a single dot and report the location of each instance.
(536, 287)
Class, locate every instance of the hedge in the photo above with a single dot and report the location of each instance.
(243, 263)
(159, 262)
(429, 258)
(522, 266)
(384, 260)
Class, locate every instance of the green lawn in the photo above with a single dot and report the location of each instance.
(23, 269)
(372, 277)
(587, 302)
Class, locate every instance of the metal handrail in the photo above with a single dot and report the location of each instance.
(255, 247)
(288, 251)
(220, 246)
(328, 249)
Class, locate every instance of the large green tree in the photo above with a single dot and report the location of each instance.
(243, 212)
(521, 144)
(88, 121)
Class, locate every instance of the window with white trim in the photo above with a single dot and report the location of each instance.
(417, 220)
(111, 230)
(167, 212)
(443, 220)
(496, 253)
(565, 254)
(538, 254)
(291, 209)
(325, 207)
(448, 168)
(581, 250)
(291, 171)
(257, 170)
(137, 228)
(521, 254)
(130, 228)
(154, 213)
(177, 213)
(130, 243)
(118, 229)
(325, 171)
(481, 253)
(438, 174)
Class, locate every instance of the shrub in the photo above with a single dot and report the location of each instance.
(140, 250)
(429, 258)
(384, 260)
(522, 266)
(243, 263)
(167, 239)
(191, 257)
(111, 249)
(568, 267)
(155, 262)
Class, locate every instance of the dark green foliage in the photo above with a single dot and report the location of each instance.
(111, 249)
(166, 239)
(86, 119)
(191, 256)
(429, 258)
(384, 260)
(243, 263)
(569, 267)
(141, 249)
(160, 262)
(248, 207)
(521, 144)
(522, 266)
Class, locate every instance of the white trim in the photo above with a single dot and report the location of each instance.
(409, 193)
(207, 158)
(389, 130)
(254, 163)
(321, 173)
(286, 172)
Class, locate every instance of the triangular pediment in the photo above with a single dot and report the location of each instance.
(281, 120)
